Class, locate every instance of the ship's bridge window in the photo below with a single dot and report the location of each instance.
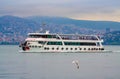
(54, 43)
(41, 42)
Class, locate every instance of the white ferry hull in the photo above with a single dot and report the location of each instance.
(54, 43)
(66, 49)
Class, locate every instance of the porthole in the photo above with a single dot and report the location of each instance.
(75, 48)
(47, 48)
(80, 48)
(102, 48)
(57, 48)
(66, 48)
(62, 48)
(52, 48)
(84, 48)
(88, 48)
(28, 43)
(71, 48)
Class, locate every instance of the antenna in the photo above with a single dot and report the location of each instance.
(42, 29)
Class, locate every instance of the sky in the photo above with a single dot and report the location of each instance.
(107, 10)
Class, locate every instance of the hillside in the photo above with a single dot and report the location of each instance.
(12, 24)
(112, 38)
(14, 29)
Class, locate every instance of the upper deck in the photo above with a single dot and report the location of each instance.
(64, 36)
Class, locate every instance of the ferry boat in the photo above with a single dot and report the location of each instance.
(50, 42)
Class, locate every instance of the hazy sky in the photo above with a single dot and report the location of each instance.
(77, 9)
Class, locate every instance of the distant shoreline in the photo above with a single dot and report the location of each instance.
(18, 44)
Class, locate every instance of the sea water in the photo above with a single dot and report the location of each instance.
(15, 65)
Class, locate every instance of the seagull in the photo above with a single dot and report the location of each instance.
(76, 62)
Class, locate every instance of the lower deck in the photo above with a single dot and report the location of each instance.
(52, 48)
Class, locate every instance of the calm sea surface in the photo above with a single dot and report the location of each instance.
(15, 65)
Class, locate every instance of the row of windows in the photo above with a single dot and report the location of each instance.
(54, 43)
(47, 48)
(78, 43)
(68, 43)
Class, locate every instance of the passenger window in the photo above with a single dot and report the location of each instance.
(80, 48)
(52, 48)
(62, 48)
(66, 48)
